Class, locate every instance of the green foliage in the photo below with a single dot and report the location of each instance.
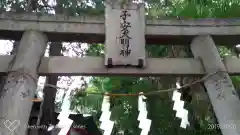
(95, 50)
(156, 50)
(124, 109)
(154, 8)
(89, 104)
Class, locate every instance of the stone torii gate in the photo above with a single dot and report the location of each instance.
(34, 32)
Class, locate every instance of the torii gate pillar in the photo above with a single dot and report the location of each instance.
(221, 92)
(16, 97)
(125, 34)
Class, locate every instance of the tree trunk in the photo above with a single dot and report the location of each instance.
(47, 106)
(20, 87)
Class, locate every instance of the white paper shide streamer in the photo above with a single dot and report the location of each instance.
(179, 107)
(106, 123)
(144, 123)
(64, 122)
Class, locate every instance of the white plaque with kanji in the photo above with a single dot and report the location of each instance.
(125, 35)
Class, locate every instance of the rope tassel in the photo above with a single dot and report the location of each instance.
(179, 107)
(106, 123)
(144, 123)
